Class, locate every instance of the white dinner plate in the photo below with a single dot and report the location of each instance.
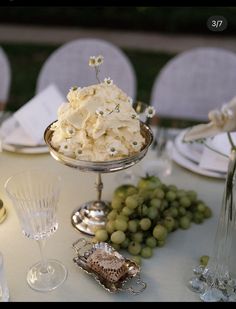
(25, 149)
(192, 151)
(192, 166)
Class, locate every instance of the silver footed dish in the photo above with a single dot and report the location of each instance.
(92, 214)
(101, 166)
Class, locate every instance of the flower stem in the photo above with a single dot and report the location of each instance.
(97, 71)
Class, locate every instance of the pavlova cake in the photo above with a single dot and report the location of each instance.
(98, 123)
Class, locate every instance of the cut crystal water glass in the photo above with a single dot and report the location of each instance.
(35, 195)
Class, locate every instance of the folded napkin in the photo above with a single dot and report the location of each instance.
(27, 125)
(223, 120)
(211, 160)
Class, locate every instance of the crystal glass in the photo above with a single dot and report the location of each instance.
(35, 195)
(92, 214)
(216, 282)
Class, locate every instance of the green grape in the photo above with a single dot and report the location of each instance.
(180, 193)
(204, 260)
(185, 202)
(170, 196)
(184, 222)
(137, 259)
(101, 235)
(112, 215)
(121, 225)
(122, 217)
(164, 205)
(146, 252)
(131, 201)
(172, 188)
(160, 232)
(173, 212)
(134, 248)
(145, 194)
(145, 224)
(182, 211)
(149, 183)
(174, 204)
(127, 211)
(155, 202)
(207, 213)
(124, 190)
(125, 243)
(161, 243)
(118, 237)
(164, 187)
(176, 226)
(198, 217)
(151, 242)
(152, 213)
(133, 226)
(192, 195)
(189, 214)
(169, 223)
(116, 246)
(137, 237)
(159, 193)
(117, 203)
(110, 226)
(201, 207)
(143, 210)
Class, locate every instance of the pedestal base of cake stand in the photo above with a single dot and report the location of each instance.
(90, 216)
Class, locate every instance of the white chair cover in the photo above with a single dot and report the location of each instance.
(5, 77)
(195, 82)
(68, 66)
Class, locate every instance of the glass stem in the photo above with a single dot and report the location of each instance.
(219, 263)
(44, 263)
(99, 186)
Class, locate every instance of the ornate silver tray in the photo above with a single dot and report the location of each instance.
(131, 277)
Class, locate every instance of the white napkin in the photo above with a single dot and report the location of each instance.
(27, 125)
(210, 160)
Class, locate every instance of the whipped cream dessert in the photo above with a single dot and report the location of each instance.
(97, 124)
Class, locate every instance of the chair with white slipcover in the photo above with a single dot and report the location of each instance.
(68, 66)
(5, 78)
(195, 82)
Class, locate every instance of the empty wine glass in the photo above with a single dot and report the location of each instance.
(35, 196)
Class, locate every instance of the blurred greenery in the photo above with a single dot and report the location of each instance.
(27, 59)
(163, 19)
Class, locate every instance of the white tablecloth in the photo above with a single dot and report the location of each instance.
(166, 273)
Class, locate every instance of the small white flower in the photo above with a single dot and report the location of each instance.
(101, 111)
(112, 151)
(108, 81)
(150, 111)
(130, 100)
(74, 88)
(66, 148)
(135, 116)
(99, 60)
(70, 131)
(78, 151)
(92, 61)
(135, 145)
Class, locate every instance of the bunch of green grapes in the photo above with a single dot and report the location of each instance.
(142, 216)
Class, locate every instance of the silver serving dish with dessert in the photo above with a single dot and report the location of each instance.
(108, 267)
(92, 214)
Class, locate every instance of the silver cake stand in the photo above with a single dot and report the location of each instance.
(92, 214)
